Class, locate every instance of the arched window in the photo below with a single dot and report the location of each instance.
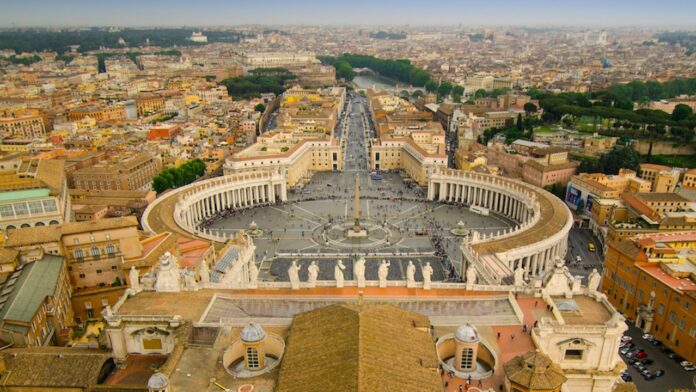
(252, 358)
(467, 358)
(53, 222)
(9, 227)
(40, 224)
(95, 253)
(110, 250)
(79, 255)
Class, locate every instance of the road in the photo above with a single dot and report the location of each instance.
(578, 241)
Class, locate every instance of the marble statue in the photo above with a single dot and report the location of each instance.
(519, 276)
(593, 280)
(338, 273)
(470, 275)
(294, 275)
(107, 312)
(383, 273)
(410, 275)
(168, 274)
(204, 271)
(359, 272)
(253, 274)
(427, 275)
(190, 283)
(651, 301)
(134, 278)
(312, 274)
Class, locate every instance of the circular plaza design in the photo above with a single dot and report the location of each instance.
(460, 220)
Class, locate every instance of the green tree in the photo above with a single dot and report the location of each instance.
(458, 90)
(681, 112)
(444, 89)
(260, 108)
(620, 157)
(431, 86)
(529, 108)
(480, 93)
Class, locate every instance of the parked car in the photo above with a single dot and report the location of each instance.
(648, 336)
(647, 361)
(626, 377)
(626, 338)
(641, 355)
(659, 373)
(690, 368)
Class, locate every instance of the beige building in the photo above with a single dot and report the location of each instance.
(406, 141)
(99, 113)
(300, 158)
(130, 172)
(94, 254)
(34, 193)
(35, 307)
(25, 123)
(148, 104)
(663, 178)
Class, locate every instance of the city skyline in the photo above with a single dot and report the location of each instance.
(37, 13)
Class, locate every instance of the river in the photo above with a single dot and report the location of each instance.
(370, 81)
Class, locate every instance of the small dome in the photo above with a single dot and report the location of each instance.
(467, 333)
(253, 333)
(158, 381)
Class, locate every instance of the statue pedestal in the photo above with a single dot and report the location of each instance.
(351, 233)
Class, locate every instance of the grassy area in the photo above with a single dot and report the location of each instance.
(545, 129)
(688, 161)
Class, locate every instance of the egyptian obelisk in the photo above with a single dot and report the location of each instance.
(356, 204)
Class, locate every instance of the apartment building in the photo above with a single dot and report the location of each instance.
(22, 123)
(34, 193)
(98, 113)
(94, 251)
(650, 278)
(663, 178)
(130, 172)
(35, 307)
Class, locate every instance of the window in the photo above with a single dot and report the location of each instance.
(672, 316)
(95, 253)
(682, 324)
(111, 250)
(692, 331)
(467, 358)
(573, 354)
(79, 255)
(252, 358)
(99, 271)
(687, 305)
(661, 309)
(82, 276)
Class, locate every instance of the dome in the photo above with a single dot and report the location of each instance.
(253, 333)
(158, 381)
(467, 334)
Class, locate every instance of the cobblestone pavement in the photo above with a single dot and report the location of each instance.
(311, 223)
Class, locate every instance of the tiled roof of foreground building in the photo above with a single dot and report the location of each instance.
(359, 348)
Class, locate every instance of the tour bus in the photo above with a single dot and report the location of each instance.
(479, 210)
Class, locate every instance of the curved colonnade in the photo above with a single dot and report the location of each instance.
(541, 234)
(539, 238)
(201, 200)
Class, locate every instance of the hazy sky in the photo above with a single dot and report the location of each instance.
(232, 12)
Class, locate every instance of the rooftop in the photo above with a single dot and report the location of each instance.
(26, 289)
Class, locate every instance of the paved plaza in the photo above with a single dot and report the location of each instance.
(401, 224)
